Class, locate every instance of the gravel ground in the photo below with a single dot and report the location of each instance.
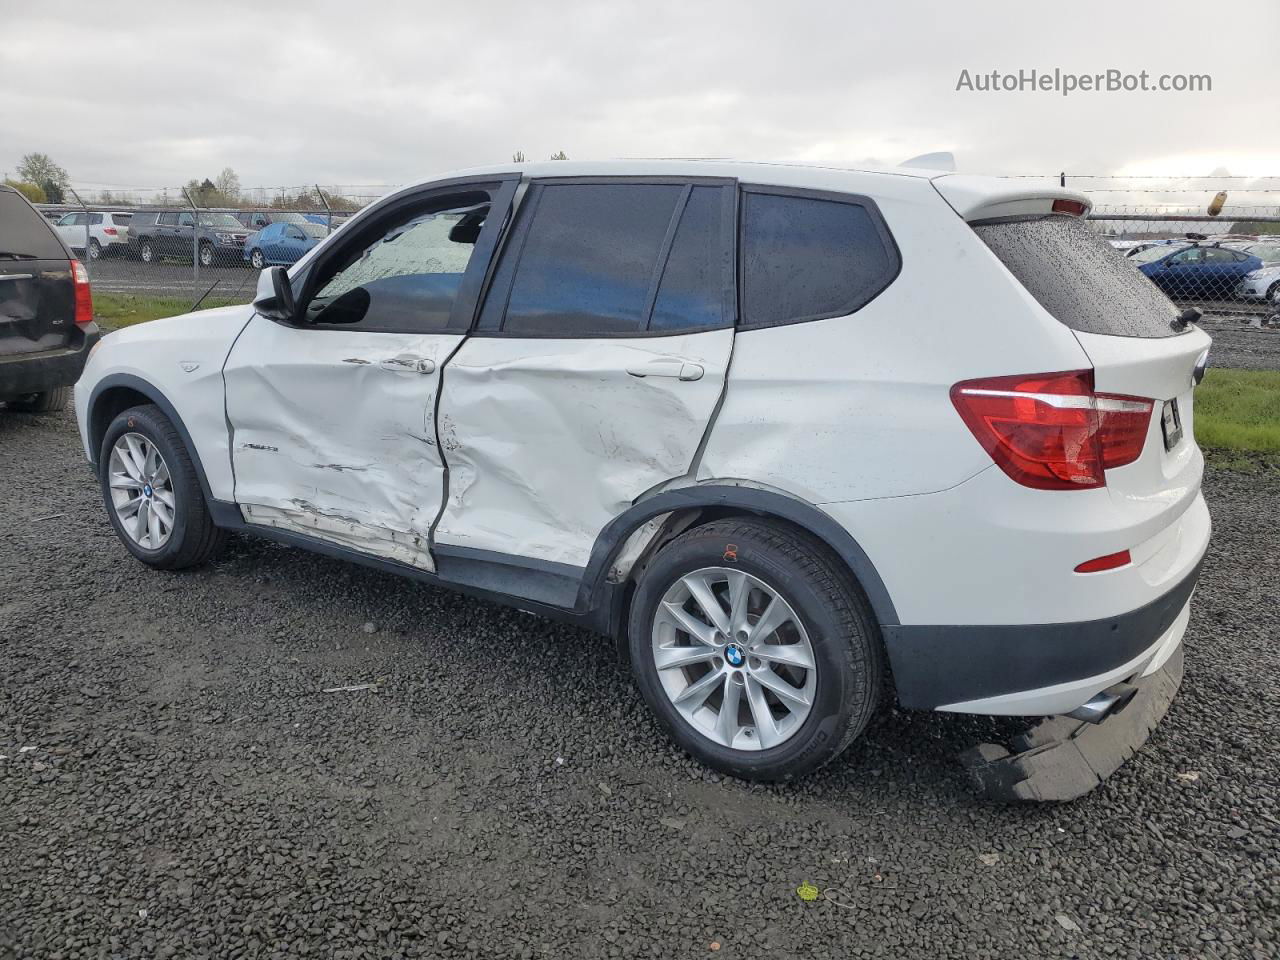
(176, 783)
(1243, 347)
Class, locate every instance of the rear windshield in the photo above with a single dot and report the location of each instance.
(1079, 278)
(24, 234)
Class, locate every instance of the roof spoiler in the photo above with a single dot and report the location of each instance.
(990, 198)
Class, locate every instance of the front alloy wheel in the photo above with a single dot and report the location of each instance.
(206, 255)
(734, 659)
(256, 260)
(141, 491)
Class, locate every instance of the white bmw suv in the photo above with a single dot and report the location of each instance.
(800, 439)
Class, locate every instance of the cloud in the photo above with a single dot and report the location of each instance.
(384, 92)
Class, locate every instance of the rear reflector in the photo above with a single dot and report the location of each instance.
(1109, 562)
(84, 300)
(1050, 431)
(1074, 207)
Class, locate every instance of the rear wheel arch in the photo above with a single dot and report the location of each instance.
(694, 506)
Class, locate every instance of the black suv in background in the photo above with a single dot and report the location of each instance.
(46, 312)
(172, 233)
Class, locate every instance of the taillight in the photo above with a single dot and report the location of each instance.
(1074, 207)
(84, 299)
(1050, 430)
(110, 231)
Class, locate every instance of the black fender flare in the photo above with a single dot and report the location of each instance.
(765, 503)
(153, 394)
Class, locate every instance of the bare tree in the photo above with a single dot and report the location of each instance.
(227, 183)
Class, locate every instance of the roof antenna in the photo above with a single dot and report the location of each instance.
(944, 160)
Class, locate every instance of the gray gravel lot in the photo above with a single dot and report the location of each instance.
(1243, 347)
(176, 784)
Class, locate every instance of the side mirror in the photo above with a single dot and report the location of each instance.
(274, 296)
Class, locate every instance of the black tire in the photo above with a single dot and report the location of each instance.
(256, 259)
(194, 539)
(147, 253)
(95, 249)
(848, 650)
(208, 257)
(48, 401)
(1273, 292)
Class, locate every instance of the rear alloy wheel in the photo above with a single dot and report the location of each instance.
(755, 648)
(744, 680)
(95, 249)
(147, 253)
(152, 492)
(257, 260)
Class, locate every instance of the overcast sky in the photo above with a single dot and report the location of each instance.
(149, 94)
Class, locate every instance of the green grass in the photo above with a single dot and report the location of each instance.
(1239, 411)
(116, 310)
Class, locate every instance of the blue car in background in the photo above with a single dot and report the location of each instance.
(282, 243)
(1208, 272)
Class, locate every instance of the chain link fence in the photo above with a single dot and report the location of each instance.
(1212, 243)
(184, 244)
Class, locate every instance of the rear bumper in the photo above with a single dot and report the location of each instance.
(1063, 758)
(1036, 669)
(26, 373)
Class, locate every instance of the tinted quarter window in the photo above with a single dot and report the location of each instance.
(804, 258)
(121, 219)
(1080, 279)
(587, 264)
(24, 234)
(697, 281)
(168, 219)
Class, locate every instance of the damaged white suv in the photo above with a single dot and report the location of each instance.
(800, 439)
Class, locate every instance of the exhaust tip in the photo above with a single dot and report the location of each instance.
(1104, 704)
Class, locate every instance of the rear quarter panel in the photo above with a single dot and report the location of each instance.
(859, 407)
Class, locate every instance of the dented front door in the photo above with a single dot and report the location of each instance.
(333, 436)
(332, 417)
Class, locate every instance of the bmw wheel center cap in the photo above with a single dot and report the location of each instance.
(734, 655)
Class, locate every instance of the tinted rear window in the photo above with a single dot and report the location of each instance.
(24, 232)
(1079, 278)
(588, 260)
(121, 219)
(805, 258)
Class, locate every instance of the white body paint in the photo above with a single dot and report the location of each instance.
(334, 434)
(539, 443)
(549, 440)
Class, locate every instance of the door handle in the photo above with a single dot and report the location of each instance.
(405, 363)
(672, 367)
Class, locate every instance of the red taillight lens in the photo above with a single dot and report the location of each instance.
(84, 299)
(1109, 562)
(1074, 207)
(1050, 430)
(110, 231)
